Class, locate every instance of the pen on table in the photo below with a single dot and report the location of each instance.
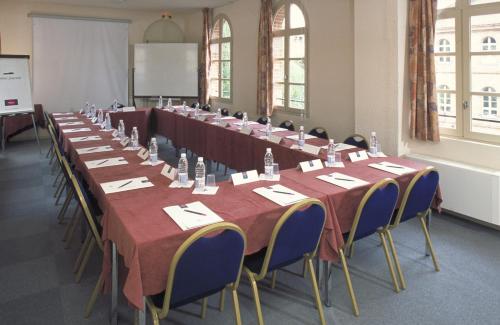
(195, 212)
(342, 179)
(125, 184)
(283, 192)
(102, 162)
(391, 166)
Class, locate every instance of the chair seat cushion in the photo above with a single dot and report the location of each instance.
(158, 299)
(254, 261)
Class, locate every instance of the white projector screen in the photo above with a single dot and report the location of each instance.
(166, 69)
(77, 60)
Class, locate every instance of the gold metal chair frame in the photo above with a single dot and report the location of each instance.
(422, 217)
(161, 313)
(383, 233)
(308, 261)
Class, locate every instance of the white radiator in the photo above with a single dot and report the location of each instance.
(466, 189)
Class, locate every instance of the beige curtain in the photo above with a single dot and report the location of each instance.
(424, 123)
(205, 59)
(265, 60)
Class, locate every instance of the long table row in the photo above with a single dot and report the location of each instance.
(147, 237)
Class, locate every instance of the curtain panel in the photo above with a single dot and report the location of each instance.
(265, 60)
(205, 58)
(424, 119)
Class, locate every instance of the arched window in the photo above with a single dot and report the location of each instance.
(444, 100)
(489, 44)
(290, 57)
(444, 47)
(221, 54)
(489, 102)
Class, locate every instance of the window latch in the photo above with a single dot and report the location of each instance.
(465, 104)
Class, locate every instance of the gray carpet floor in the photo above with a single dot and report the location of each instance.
(37, 285)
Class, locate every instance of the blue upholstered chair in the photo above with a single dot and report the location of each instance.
(263, 120)
(372, 216)
(357, 140)
(296, 236)
(224, 112)
(416, 202)
(201, 267)
(287, 125)
(319, 132)
(238, 115)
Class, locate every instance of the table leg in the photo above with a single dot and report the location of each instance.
(326, 283)
(36, 131)
(140, 314)
(428, 224)
(3, 133)
(114, 287)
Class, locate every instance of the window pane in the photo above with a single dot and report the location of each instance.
(214, 51)
(445, 71)
(279, 19)
(279, 71)
(297, 71)
(226, 89)
(214, 87)
(484, 33)
(485, 115)
(297, 95)
(297, 46)
(214, 69)
(447, 103)
(226, 51)
(278, 47)
(478, 2)
(444, 41)
(278, 95)
(485, 72)
(216, 30)
(445, 4)
(226, 30)
(226, 69)
(296, 17)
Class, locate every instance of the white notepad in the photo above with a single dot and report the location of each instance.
(70, 123)
(341, 147)
(126, 185)
(108, 162)
(392, 168)
(89, 138)
(280, 194)
(227, 118)
(342, 180)
(67, 118)
(379, 154)
(62, 114)
(208, 190)
(192, 215)
(296, 137)
(83, 151)
(76, 130)
(249, 123)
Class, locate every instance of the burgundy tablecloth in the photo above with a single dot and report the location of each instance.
(19, 123)
(147, 238)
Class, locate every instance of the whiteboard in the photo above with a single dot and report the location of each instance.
(15, 85)
(166, 69)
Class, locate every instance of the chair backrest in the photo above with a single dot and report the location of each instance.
(263, 120)
(287, 125)
(224, 112)
(296, 234)
(238, 115)
(357, 140)
(319, 132)
(206, 108)
(419, 195)
(205, 265)
(193, 105)
(57, 146)
(375, 210)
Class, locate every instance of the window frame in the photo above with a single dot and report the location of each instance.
(286, 33)
(462, 13)
(219, 41)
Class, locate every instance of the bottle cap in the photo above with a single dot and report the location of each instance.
(183, 155)
(134, 128)
(331, 140)
(200, 159)
(121, 121)
(268, 150)
(301, 128)
(153, 139)
(374, 134)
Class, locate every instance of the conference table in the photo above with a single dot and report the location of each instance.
(136, 226)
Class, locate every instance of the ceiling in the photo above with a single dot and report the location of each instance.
(176, 5)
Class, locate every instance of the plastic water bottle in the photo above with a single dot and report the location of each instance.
(268, 164)
(107, 123)
(245, 120)
(199, 179)
(373, 143)
(115, 105)
(92, 111)
(197, 111)
(153, 151)
(134, 138)
(218, 117)
(302, 139)
(87, 109)
(100, 117)
(160, 102)
(183, 170)
(121, 130)
(331, 153)
(184, 108)
(169, 104)
(269, 129)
